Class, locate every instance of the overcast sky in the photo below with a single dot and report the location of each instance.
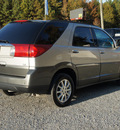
(99, 0)
(104, 0)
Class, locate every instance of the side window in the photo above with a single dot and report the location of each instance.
(103, 39)
(110, 31)
(51, 32)
(82, 37)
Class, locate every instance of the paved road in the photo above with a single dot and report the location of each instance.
(96, 108)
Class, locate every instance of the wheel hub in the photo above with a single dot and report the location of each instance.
(63, 91)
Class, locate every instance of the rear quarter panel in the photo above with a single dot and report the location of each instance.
(56, 58)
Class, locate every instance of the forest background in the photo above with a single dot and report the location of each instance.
(11, 10)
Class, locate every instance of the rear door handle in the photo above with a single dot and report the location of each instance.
(75, 51)
(102, 52)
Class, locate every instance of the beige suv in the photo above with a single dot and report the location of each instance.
(56, 57)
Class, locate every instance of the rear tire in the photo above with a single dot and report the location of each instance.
(9, 93)
(62, 89)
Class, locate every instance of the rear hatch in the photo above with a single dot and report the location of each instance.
(16, 40)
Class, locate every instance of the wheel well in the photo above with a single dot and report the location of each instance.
(68, 71)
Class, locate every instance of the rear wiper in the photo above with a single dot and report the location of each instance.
(4, 41)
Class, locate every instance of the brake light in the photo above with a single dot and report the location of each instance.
(19, 21)
(21, 50)
(37, 50)
(30, 50)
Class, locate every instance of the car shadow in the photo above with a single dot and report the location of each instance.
(94, 91)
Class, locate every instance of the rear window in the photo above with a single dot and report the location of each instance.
(51, 32)
(21, 33)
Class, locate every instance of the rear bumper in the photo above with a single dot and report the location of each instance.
(13, 87)
(32, 83)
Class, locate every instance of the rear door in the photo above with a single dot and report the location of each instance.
(15, 39)
(85, 55)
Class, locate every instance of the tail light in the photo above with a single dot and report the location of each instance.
(37, 50)
(30, 50)
(21, 50)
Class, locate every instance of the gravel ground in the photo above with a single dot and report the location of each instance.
(95, 108)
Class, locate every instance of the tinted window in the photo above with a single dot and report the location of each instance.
(82, 37)
(110, 31)
(20, 32)
(103, 39)
(117, 33)
(51, 32)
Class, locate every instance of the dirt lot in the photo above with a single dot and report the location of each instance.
(96, 108)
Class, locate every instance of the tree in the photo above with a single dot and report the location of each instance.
(96, 21)
(31, 9)
(116, 6)
(6, 11)
(93, 12)
(64, 11)
(24, 9)
(16, 9)
(108, 13)
(1, 15)
(59, 9)
(55, 7)
(38, 10)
